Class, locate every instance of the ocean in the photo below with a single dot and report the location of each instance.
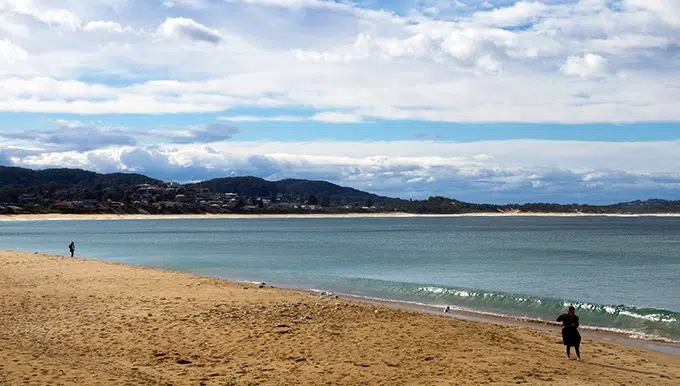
(621, 273)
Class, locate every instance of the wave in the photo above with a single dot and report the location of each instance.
(532, 302)
(638, 322)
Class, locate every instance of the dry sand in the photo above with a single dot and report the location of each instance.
(85, 322)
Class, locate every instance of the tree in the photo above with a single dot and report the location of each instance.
(312, 200)
(128, 198)
(9, 194)
(114, 193)
(240, 203)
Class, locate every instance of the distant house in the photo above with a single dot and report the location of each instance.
(27, 199)
(62, 205)
(143, 187)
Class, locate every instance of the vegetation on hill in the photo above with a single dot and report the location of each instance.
(79, 191)
(258, 187)
(22, 177)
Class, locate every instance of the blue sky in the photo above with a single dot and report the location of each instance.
(487, 101)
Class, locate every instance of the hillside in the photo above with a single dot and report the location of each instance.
(79, 191)
(258, 187)
(21, 177)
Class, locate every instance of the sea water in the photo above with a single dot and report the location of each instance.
(621, 273)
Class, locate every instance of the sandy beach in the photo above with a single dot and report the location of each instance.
(67, 321)
(57, 216)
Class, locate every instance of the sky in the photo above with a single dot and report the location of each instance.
(484, 101)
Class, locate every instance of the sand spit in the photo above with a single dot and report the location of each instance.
(55, 216)
(70, 321)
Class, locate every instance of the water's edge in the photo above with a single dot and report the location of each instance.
(100, 217)
(597, 333)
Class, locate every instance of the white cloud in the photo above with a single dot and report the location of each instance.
(667, 10)
(60, 17)
(258, 118)
(455, 67)
(294, 3)
(626, 42)
(180, 27)
(195, 4)
(587, 66)
(519, 13)
(105, 26)
(48, 15)
(335, 117)
(325, 117)
(468, 49)
(42, 87)
(11, 53)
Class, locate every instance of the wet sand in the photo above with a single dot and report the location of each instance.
(70, 321)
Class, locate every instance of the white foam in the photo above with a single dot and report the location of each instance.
(631, 334)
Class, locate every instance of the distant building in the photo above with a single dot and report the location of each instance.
(62, 205)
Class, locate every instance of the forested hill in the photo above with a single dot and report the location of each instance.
(258, 187)
(21, 177)
(79, 191)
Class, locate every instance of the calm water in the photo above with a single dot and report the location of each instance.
(621, 273)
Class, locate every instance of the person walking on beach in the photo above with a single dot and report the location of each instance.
(72, 248)
(570, 335)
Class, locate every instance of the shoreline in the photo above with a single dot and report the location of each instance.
(654, 343)
(663, 345)
(91, 322)
(599, 333)
(57, 216)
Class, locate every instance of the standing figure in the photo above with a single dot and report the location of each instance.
(570, 335)
(72, 248)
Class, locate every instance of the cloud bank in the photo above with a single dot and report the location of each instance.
(484, 171)
(467, 61)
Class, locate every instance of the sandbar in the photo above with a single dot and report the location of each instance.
(58, 216)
